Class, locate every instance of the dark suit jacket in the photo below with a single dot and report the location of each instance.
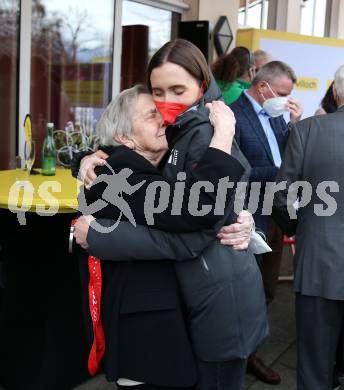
(252, 141)
(315, 154)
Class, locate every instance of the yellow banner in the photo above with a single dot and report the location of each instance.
(84, 92)
(98, 60)
(307, 84)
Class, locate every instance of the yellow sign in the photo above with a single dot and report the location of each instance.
(84, 92)
(98, 60)
(329, 82)
(251, 38)
(307, 84)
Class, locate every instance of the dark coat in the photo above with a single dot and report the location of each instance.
(252, 141)
(222, 288)
(315, 154)
(146, 338)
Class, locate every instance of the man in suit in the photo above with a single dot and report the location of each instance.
(262, 133)
(315, 153)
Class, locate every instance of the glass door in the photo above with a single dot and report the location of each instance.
(71, 66)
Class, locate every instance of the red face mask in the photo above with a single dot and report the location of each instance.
(170, 111)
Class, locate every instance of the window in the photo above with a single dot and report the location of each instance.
(73, 59)
(253, 13)
(9, 38)
(313, 16)
(144, 30)
(71, 62)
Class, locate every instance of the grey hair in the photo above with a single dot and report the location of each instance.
(339, 82)
(117, 116)
(258, 54)
(273, 70)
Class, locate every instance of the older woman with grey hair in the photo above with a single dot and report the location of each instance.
(146, 343)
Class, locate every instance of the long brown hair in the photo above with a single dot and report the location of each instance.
(185, 54)
(234, 65)
(328, 102)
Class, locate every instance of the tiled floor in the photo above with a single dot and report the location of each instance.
(279, 349)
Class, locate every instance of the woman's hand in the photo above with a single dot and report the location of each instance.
(238, 234)
(223, 121)
(81, 230)
(87, 166)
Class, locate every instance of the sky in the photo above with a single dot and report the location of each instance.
(98, 11)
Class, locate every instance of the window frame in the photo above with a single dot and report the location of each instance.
(327, 19)
(168, 5)
(24, 77)
(263, 14)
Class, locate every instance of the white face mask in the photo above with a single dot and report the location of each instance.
(276, 106)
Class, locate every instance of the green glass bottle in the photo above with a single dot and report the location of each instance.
(49, 152)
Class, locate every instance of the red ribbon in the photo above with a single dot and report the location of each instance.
(94, 294)
(94, 297)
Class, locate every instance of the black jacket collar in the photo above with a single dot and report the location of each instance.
(123, 157)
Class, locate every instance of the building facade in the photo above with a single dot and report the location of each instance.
(63, 61)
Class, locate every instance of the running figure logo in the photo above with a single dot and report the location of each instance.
(116, 185)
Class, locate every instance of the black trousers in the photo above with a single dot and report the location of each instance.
(270, 263)
(319, 323)
(228, 375)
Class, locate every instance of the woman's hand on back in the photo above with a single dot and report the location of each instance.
(223, 120)
(238, 234)
(87, 166)
(81, 228)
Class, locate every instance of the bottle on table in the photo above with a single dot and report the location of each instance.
(49, 152)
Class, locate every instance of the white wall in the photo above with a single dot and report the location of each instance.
(211, 10)
(192, 13)
(288, 15)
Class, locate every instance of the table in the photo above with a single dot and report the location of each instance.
(18, 189)
(42, 339)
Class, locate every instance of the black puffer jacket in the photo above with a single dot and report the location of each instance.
(190, 137)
